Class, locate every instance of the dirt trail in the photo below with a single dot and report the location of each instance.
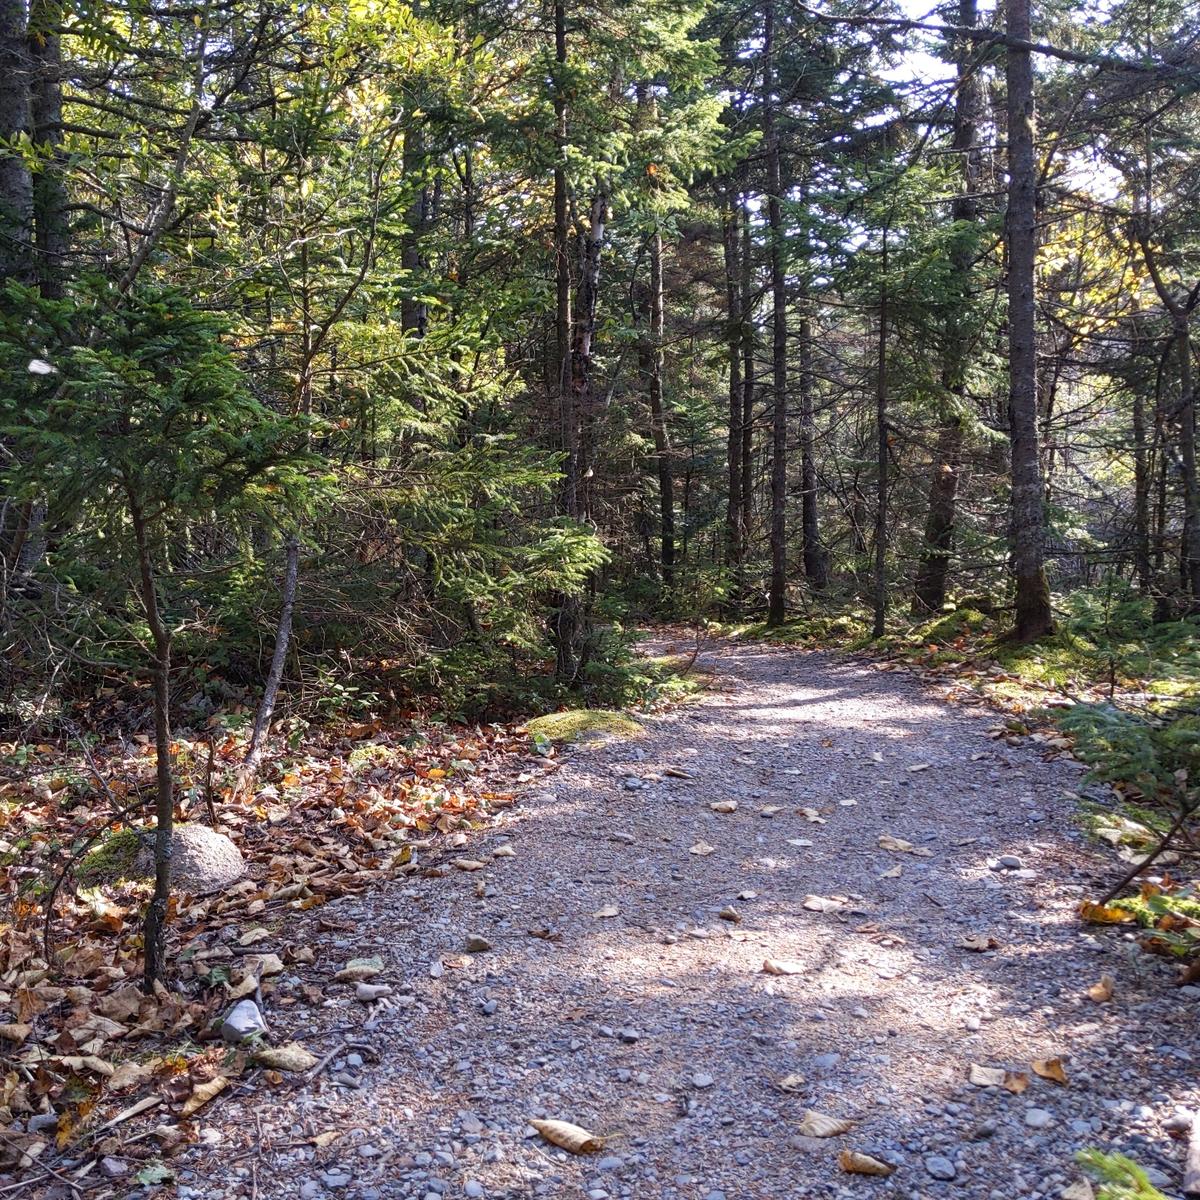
(658, 1026)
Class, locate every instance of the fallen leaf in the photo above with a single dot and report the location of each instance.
(863, 1164)
(822, 904)
(894, 873)
(610, 910)
(15, 1032)
(1104, 914)
(570, 1137)
(811, 816)
(919, 767)
(202, 1094)
(900, 846)
(469, 864)
(257, 934)
(327, 1138)
(779, 966)
(504, 851)
(724, 806)
(1102, 991)
(292, 1057)
(701, 848)
(978, 942)
(1050, 1068)
(820, 1125)
(1013, 1081)
(358, 969)
(791, 1083)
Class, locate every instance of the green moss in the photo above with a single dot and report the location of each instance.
(111, 860)
(580, 722)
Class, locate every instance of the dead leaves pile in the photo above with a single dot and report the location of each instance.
(328, 820)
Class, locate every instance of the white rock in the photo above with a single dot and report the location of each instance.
(242, 1021)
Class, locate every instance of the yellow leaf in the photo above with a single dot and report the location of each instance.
(820, 1125)
(570, 1137)
(1102, 991)
(1104, 914)
(202, 1094)
(863, 1164)
(1050, 1068)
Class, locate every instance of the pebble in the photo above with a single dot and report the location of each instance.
(701, 1080)
(473, 1188)
(1038, 1118)
(478, 944)
(336, 1179)
(940, 1167)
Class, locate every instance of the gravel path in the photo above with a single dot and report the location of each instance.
(658, 1027)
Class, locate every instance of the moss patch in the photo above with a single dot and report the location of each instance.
(580, 722)
(112, 860)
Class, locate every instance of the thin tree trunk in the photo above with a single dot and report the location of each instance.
(735, 531)
(49, 192)
(154, 930)
(1141, 499)
(777, 588)
(879, 589)
(658, 417)
(266, 708)
(816, 562)
(749, 380)
(1033, 614)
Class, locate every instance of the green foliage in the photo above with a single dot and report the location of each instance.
(1120, 1178)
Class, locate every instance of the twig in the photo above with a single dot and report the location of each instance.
(323, 1063)
(1113, 892)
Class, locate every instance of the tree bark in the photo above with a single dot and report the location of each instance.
(658, 418)
(1033, 614)
(266, 707)
(154, 929)
(929, 591)
(879, 589)
(735, 530)
(777, 587)
(816, 562)
(49, 191)
(16, 184)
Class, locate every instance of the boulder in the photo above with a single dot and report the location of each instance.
(202, 860)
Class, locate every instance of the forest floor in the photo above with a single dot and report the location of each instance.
(624, 986)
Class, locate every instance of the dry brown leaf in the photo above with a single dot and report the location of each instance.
(724, 806)
(791, 1083)
(821, 1125)
(321, 1140)
(811, 816)
(1102, 914)
(978, 942)
(1102, 991)
(702, 849)
(863, 1164)
(15, 1032)
(893, 873)
(573, 1138)
(85, 1062)
(1013, 1081)
(609, 910)
(469, 864)
(780, 966)
(202, 1094)
(1050, 1068)
(291, 1057)
(888, 842)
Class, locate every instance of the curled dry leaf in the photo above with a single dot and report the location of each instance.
(504, 851)
(780, 966)
(701, 849)
(573, 1138)
(1013, 1081)
(469, 864)
(863, 1164)
(292, 1057)
(978, 942)
(724, 806)
(821, 1125)
(609, 910)
(791, 1083)
(811, 816)
(893, 872)
(15, 1032)
(1050, 1068)
(821, 904)
(202, 1094)
(1102, 991)
(900, 846)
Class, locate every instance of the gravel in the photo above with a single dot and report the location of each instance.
(658, 1028)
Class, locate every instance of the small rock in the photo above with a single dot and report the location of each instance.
(939, 1166)
(478, 944)
(367, 992)
(488, 1007)
(632, 783)
(473, 1188)
(1038, 1118)
(242, 1021)
(629, 1035)
(336, 1179)
(701, 1080)
(610, 1162)
(113, 1168)
(1010, 862)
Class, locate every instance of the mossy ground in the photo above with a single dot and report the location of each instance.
(112, 860)
(577, 723)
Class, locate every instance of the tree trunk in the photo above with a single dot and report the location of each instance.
(749, 380)
(735, 531)
(49, 191)
(816, 562)
(1033, 614)
(16, 184)
(283, 636)
(1141, 498)
(777, 588)
(929, 592)
(879, 590)
(1190, 550)
(662, 441)
(154, 930)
